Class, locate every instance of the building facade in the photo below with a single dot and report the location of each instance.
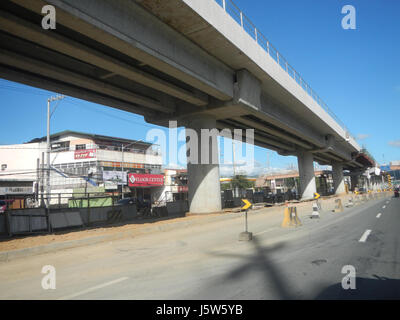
(81, 161)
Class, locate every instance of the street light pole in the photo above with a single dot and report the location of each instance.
(123, 171)
(58, 97)
(48, 155)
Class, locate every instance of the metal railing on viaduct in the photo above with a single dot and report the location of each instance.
(232, 9)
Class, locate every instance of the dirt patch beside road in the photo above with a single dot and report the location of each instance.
(39, 240)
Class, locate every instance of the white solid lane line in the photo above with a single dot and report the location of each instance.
(92, 289)
(379, 215)
(365, 236)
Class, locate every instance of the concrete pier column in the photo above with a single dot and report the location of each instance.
(354, 182)
(338, 178)
(203, 178)
(307, 177)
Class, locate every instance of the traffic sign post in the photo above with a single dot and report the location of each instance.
(316, 206)
(246, 236)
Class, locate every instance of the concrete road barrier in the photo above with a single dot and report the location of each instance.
(338, 206)
(350, 202)
(315, 210)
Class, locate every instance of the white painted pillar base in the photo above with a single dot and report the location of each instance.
(307, 176)
(338, 178)
(203, 179)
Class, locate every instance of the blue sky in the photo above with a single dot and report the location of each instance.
(356, 72)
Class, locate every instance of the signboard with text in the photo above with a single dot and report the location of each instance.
(182, 188)
(145, 180)
(385, 168)
(85, 154)
(117, 177)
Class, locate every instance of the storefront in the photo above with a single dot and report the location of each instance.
(144, 186)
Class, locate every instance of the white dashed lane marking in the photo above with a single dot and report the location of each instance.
(365, 236)
(379, 215)
(77, 294)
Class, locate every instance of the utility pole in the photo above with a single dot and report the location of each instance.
(49, 100)
(234, 166)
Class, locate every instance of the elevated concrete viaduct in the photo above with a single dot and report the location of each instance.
(184, 60)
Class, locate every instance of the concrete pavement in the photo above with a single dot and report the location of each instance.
(208, 262)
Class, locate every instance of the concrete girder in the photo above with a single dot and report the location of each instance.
(284, 136)
(51, 40)
(149, 40)
(275, 114)
(51, 71)
(221, 126)
(258, 137)
(56, 86)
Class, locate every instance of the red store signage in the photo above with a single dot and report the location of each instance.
(142, 180)
(85, 154)
(182, 188)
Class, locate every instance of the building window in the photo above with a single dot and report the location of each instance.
(80, 147)
(60, 146)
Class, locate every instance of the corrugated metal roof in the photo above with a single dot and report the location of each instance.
(89, 135)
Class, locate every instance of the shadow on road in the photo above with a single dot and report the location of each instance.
(260, 261)
(366, 289)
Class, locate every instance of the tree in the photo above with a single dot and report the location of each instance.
(241, 182)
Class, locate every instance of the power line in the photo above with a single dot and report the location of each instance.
(110, 115)
(28, 91)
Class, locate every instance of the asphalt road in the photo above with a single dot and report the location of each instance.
(208, 261)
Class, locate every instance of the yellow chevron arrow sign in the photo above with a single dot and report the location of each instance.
(316, 195)
(247, 204)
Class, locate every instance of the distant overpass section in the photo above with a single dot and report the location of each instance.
(202, 63)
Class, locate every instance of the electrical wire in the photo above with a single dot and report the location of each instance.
(70, 100)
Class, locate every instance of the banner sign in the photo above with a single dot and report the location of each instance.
(182, 188)
(85, 154)
(16, 190)
(109, 185)
(116, 177)
(143, 180)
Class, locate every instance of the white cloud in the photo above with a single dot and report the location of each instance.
(174, 166)
(251, 169)
(362, 136)
(395, 143)
(241, 167)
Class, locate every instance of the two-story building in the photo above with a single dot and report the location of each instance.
(81, 161)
